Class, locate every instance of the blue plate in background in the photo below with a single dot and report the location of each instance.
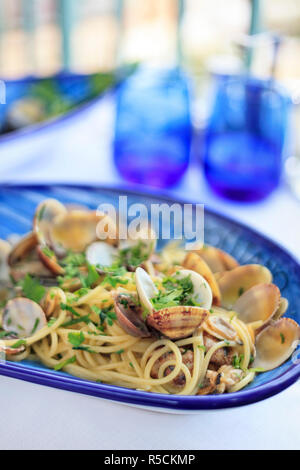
(17, 206)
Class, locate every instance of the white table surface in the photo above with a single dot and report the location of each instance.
(36, 417)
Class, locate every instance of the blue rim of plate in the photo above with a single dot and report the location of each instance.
(147, 399)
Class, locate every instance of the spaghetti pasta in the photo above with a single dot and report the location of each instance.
(94, 316)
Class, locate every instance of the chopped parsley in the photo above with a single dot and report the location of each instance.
(70, 309)
(71, 263)
(282, 338)
(177, 292)
(113, 276)
(36, 324)
(241, 291)
(202, 347)
(105, 314)
(61, 365)
(237, 361)
(3, 334)
(76, 339)
(32, 289)
(136, 255)
(52, 321)
(120, 351)
(19, 343)
(91, 278)
(74, 259)
(84, 319)
(81, 292)
(49, 253)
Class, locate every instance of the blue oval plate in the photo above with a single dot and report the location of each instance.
(17, 205)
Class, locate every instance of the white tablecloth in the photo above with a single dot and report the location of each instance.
(43, 418)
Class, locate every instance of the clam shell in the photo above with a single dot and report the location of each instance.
(202, 292)
(32, 267)
(50, 261)
(101, 253)
(23, 317)
(177, 322)
(130, 318)
(194, 262)
(218, 260)
(77, 229)
(44, 217)
(234, 283)
(283, 306)
(74, 231)
(146, 288)
(221, 328)
(260, 302)
(5, 249)
(276, 343)
(22, 248)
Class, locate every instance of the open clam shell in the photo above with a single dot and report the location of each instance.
(23, 317)
(234, 283)
(260, 302)
(283, 306)
(146, 288)
(202, 292)
(217, 259)
(221, 328)
(74, 231)
(22, 249)
(129, 315)
(276, 343)
(177, 322)
(194, 262)
(101, 253)
(49, 259)
(77, 229)
(46, 212)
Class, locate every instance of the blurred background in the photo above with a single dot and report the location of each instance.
(199, 98)
(43, 36)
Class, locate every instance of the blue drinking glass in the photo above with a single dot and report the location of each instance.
(153, 127)
(245, 137)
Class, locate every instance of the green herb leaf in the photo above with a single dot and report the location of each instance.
(136, 255)
(32, 289)
(49, 253)
(36, 324)
(3, 334)
(61, 365)
(241, 291)
(92, 276)
(120, 351)
(105, 314)
(52, 321)
(237, 361)
(19, 343)
(70, 309)
(76, 339)
(84, 319)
